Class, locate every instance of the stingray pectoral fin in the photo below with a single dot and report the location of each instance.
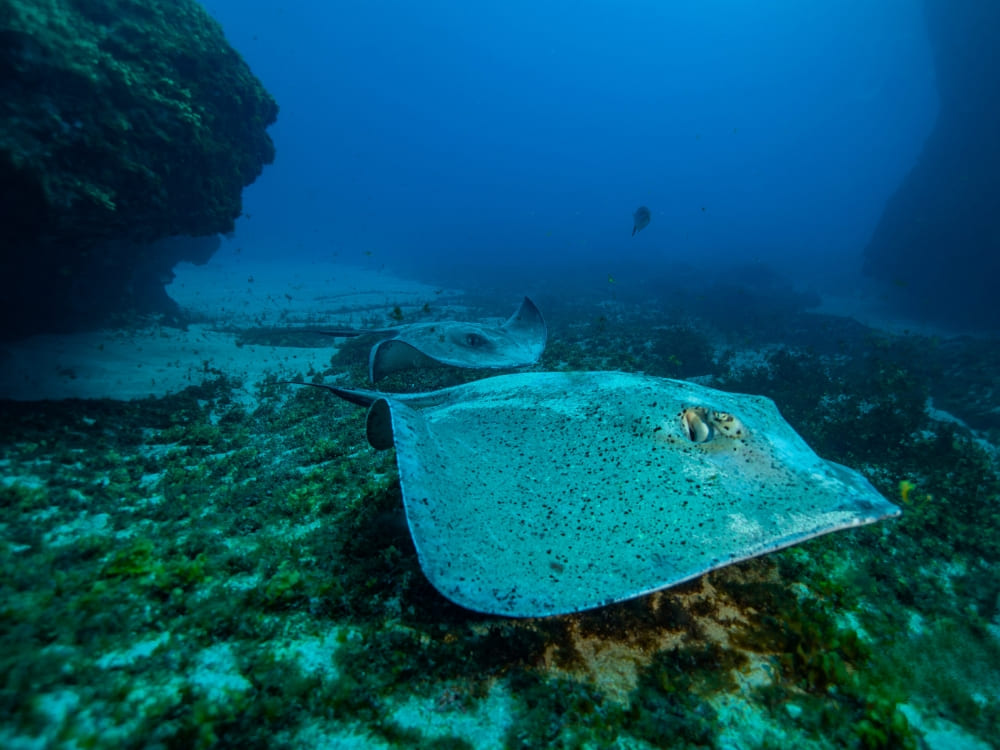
(861, 499)
(527, 324)
(518, 505)
(391, 355)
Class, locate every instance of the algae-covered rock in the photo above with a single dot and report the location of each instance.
(122, 122)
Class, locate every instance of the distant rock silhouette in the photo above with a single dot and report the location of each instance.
(937, 247)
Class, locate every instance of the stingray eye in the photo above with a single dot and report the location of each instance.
(727, 424)
(474, 340)
(697, 424)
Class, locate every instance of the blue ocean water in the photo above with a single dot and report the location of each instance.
(791, 200)
(450, 135)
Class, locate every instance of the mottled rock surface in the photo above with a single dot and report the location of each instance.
(937, 246)
(122, 122)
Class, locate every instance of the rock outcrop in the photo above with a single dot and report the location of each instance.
(122, 122)
(937, 246)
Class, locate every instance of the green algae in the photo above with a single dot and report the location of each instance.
(261, 528)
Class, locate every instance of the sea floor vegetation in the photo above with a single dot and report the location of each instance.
(229, 566)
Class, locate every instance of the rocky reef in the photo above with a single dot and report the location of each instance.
(937, 245)
(230, 566)
(122, 123)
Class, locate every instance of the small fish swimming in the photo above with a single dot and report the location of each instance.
(640, 219)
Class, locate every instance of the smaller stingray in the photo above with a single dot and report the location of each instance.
(640, 219)
(546, 493)
(518, 342)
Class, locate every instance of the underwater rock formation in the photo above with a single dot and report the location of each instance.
(937, 245)
(122, 122)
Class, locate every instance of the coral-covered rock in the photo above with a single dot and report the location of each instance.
(122, 122)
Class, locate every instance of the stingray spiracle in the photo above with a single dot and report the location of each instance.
(728, 425)
(700, 424)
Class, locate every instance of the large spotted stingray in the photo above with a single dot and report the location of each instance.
(518, 342)
(538, 494)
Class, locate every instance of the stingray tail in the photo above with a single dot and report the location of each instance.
(336, 332)
(634, 230)
(349, 332)
(361, 398)
(342, 332)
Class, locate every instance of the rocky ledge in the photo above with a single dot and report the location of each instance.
(122, 123)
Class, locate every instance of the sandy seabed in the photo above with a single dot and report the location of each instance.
(225, 297)
(196, 571)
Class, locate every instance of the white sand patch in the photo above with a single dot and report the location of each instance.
(940, 415)
(11, 741)
(57, 705)
(24, 481)
(322, 735)
(83, 525)
(941, 734)
(877, 314)
(157, 360)
(217, 673)
(743, 721)
(285, 293)
(152, 361)
(121, 658)
(483, 725)
(317, 654)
